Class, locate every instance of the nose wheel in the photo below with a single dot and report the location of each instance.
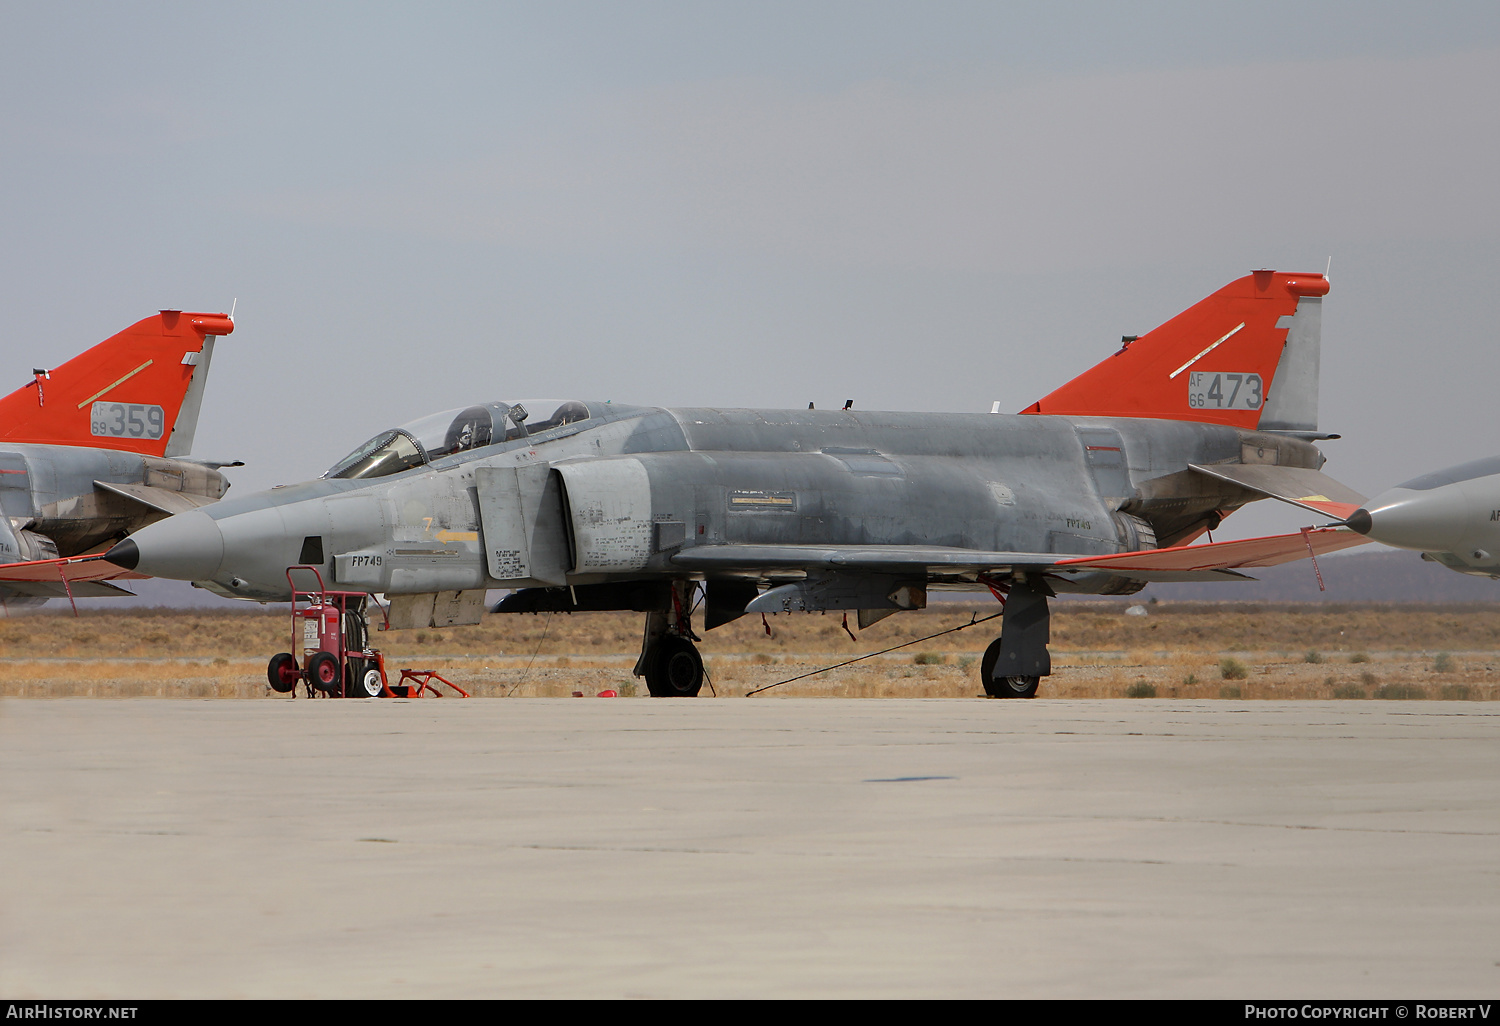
(669, 660)
(674, 669)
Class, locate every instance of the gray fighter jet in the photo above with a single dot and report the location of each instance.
(1097, 488)
(97, 448)
(1451, 516)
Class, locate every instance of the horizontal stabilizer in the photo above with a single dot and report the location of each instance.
(1300, 486)
(163, 499)
(71, 569)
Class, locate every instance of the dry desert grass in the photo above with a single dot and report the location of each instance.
(1179, 650)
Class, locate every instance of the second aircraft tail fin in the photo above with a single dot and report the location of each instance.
(1247, 356)
(138, 391)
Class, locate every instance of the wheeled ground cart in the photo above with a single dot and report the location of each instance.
(331, 631)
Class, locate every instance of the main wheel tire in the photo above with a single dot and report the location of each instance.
(674, 669)
(371, 685)
(1017, 687)
(987, 667)
(1005, 687)
(282, 672)
(323, 671)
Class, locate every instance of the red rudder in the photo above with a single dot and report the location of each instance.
(124, 393)
(1215, 362)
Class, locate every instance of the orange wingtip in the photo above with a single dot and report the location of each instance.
(1231, 555)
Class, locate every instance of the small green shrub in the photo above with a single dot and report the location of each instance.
(1360, 657)
(1444, 663)
(930, 659)
(1233, 669)
(1190, 680)
(1369, 679)
(1141, 689)
(1398, 692)
(1313, 656)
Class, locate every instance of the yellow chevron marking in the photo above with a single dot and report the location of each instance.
(117, 384)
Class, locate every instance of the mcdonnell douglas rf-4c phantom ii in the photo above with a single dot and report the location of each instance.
(96, 448)
(1097, 488)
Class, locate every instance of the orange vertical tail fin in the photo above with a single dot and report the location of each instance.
(1247, 356)
(138, 391)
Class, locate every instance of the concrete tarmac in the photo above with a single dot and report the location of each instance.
(761, 848)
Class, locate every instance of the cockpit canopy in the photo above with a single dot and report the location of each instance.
(453, 431)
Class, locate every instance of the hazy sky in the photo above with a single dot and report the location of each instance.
(919, 206)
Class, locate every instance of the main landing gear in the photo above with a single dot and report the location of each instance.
(669, 660)
(1015, 663)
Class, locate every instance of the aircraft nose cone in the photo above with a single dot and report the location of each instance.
(185, 547)
(1432, 520)
(126, 554)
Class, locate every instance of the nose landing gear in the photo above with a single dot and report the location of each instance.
(669, 660)
(675, 670)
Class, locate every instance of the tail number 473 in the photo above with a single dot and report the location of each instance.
(1216, 390)
(126, 420)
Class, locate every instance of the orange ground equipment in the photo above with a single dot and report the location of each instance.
(422, 679)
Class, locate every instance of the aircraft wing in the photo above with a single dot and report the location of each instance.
(1214, 561)
(1300, 486)
(871, 558)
